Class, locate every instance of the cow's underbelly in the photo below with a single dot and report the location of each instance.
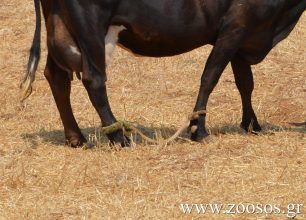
(155, 45)
(164, 38)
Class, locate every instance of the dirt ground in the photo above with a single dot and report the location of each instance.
(41, 178)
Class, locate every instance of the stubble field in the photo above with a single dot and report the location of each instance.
(41, 178)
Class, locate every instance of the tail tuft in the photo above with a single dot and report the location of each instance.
(26, 83)
(25, 89)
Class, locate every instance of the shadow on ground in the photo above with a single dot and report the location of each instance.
(267, 128)
(56, 137)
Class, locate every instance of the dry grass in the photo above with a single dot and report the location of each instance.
(40, 178)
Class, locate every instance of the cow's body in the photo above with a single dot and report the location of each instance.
(82, 36)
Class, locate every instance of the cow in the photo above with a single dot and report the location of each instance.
(82, 35)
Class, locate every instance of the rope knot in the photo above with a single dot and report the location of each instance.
(196, 115)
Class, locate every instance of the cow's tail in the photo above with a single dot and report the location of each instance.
(26, 83)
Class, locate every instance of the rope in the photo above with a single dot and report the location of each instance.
(128, 128)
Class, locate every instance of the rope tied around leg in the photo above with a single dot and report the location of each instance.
(128, 128)
(196, 115)
(119, 125)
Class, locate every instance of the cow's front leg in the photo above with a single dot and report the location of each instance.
(225, 48)
(61, 85)
(245, 84)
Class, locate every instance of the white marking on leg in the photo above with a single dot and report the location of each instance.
(75, 50)
(111, 40)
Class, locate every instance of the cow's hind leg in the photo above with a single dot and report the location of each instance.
(245, 84)
(89, 31)
(60, 84)
(96, 89)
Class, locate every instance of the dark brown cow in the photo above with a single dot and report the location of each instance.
(81, 35)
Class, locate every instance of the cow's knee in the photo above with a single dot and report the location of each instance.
(93, 81)
(208, 84)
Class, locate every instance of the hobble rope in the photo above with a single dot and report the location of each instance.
(128, 128)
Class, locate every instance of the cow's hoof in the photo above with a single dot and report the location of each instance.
(254, 128)
(201, 139)
(76, 141)
(198, 136)
(119, 138)
(88, 145)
